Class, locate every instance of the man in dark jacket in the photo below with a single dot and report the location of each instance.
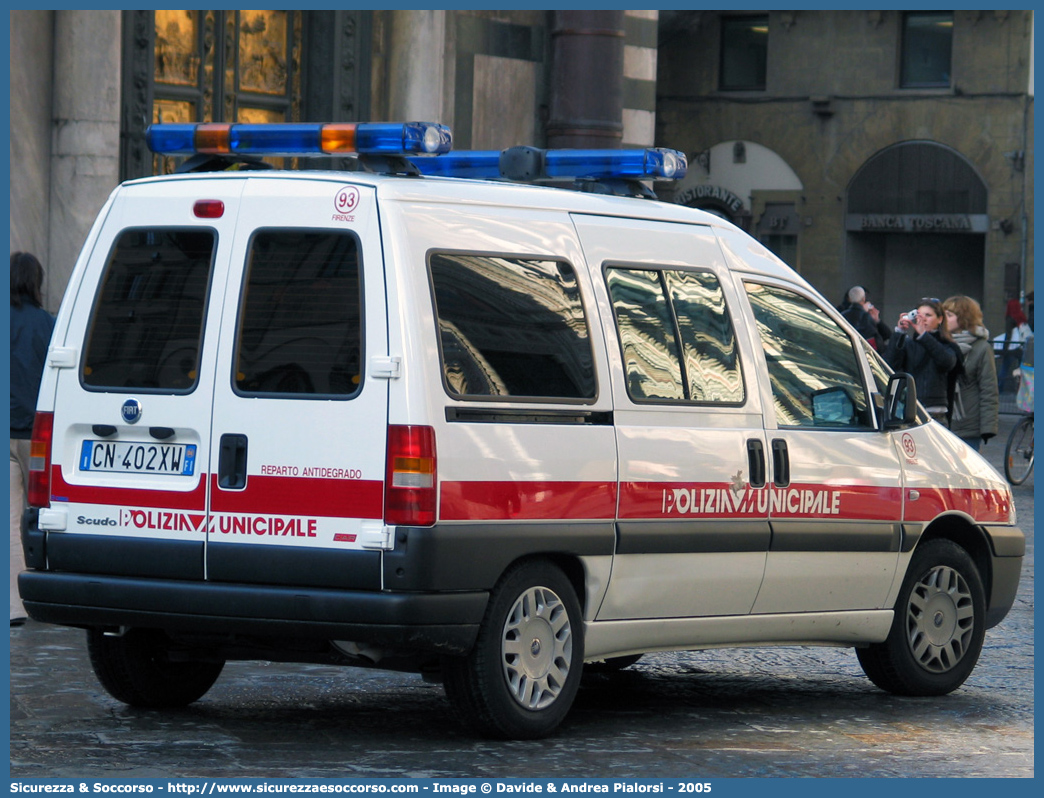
(862, 315)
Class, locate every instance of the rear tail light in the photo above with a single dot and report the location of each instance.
(410, 480)
(40, 461)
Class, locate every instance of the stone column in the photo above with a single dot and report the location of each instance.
(587, 60)
(30, 164)
(639, 79)
(86, 135)
(417, 67)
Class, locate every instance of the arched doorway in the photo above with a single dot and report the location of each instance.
(751, 186)
(916, 226)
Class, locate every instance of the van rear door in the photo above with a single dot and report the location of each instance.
(300, 398)
(134, 366)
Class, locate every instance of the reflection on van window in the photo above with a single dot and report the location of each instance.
(147, 329)
(300, 323)
(511, 327)
(677, 338)
(813, 366)
(878, 368)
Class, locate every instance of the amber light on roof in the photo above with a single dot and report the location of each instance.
(213, 138)
(338, 138)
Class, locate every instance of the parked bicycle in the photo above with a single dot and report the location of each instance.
(1018, 454)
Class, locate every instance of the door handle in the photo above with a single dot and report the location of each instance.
(756, 463)
(232, 462)
(780, 463)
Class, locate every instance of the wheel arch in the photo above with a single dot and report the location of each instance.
(569, 564)
(969, 536)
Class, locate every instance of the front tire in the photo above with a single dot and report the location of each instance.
(134, 668)
(938, 629)
(521, 677)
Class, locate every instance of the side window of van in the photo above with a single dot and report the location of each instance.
(511, 326)
(677, 338)
(300, 318)
(878, 368)
(812, 363)
(146, 331)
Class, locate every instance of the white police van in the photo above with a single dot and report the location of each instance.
(480, 429)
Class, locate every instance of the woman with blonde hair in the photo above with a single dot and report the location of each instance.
(977, 401)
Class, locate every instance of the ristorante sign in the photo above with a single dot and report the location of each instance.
(917, 222)
(698, 195)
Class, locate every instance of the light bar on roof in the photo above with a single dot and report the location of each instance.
(463, 163)
(631, 164)
(293, 139)
(528, 163)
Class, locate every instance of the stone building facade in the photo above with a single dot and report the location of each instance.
(85, 84)
(885, 148)
(873, 147)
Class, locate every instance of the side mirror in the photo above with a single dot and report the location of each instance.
(900, 404)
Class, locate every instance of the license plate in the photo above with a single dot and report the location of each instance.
(177, 459)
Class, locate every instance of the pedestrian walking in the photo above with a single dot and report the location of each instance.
(977, 400)
(31, 328)
(1015, 324)
(923, 348)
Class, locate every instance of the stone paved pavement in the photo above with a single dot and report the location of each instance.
(767, 712)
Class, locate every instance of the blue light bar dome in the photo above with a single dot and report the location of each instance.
(300, 139)
(530, 163)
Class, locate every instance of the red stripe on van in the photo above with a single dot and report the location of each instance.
(844, 502)
(984, 506)
(195, 499)
(500, 501)
(331, 498)
(721, 500)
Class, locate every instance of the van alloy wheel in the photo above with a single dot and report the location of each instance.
(521, 676)
(938, 627)
(537, 648)
(940, 619)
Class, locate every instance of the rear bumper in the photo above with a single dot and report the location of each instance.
(445, 623)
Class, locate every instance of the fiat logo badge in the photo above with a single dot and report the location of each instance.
(131, 411)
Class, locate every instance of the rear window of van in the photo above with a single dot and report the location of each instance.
(511, 327)
(146, 329)
(300, 318)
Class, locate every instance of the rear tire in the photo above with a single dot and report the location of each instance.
(521, 677)
(938, 629)
(134, 668)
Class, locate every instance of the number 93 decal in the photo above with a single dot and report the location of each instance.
(347, 200)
